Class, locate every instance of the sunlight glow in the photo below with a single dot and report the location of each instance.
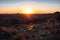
(27, 11)
(31, 26)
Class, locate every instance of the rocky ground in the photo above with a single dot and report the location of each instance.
(38, 31)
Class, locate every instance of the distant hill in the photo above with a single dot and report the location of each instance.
(57, 15)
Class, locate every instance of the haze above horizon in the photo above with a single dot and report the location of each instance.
(29, 6)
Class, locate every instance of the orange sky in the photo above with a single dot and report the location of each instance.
(21, 11)
(37, 6)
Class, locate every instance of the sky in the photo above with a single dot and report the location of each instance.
(40, 6)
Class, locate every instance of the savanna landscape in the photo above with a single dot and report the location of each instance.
(39, 27)
(29, 19)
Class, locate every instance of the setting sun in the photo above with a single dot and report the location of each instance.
(27, 11)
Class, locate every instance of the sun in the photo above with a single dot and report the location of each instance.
(27, 11)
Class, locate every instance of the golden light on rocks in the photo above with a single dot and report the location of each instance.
(31, 26)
